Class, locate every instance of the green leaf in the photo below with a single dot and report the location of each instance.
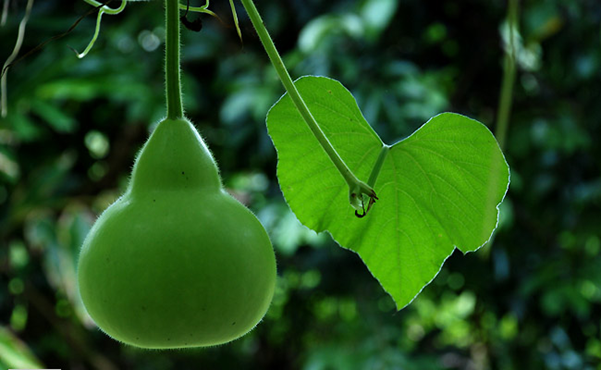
(14, 353)
(439, 189)
(60, 121)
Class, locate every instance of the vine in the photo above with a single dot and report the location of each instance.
(357, 188)
(13, 55)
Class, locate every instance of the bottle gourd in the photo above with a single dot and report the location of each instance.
(176, 261)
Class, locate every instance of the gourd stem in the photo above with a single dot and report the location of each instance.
(301, 106)
(172, 69)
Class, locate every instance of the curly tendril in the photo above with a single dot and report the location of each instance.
(235, 15)
(11, 58)
(204, 9)
(102, 8)
(199, 9)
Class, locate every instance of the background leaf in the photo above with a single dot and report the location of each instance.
(438, 189)
(14, 353)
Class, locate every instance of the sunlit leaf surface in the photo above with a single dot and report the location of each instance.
(439, 189)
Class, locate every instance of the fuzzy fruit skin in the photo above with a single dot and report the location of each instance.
(176, 261)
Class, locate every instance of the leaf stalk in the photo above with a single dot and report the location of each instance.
(356, 187)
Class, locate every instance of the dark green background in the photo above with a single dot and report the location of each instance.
(529, 301)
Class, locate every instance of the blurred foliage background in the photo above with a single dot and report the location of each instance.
(530, 300)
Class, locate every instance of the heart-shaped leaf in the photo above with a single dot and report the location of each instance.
(439, 189)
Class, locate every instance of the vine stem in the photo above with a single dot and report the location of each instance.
(509, 71)
(11, 58)
(356, 186)
(173, 84)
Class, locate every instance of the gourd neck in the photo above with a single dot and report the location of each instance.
(175, 158)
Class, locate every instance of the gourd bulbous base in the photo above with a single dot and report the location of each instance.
(170, 265)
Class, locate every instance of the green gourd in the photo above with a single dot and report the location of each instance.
(176, 261)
